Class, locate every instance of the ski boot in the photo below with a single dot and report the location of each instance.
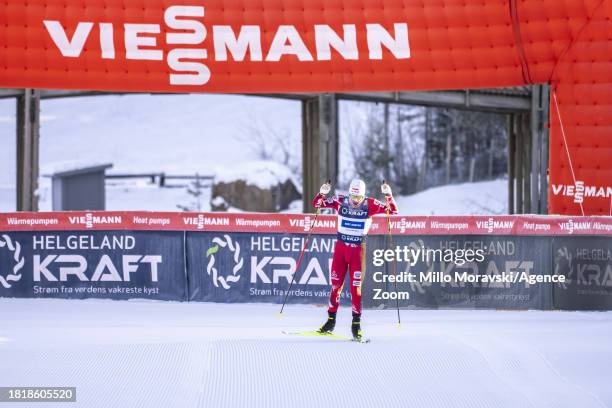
(356, 327)
(329, 325)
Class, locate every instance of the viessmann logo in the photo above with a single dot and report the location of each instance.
(491, 225)
(224, 243)
(14, 274)
(579, 191)
(201, 221)
(307, 223)
(89, 220)
(571, 226)
(183, 27)
(402, 225)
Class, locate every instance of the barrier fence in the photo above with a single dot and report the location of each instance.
(222, 257)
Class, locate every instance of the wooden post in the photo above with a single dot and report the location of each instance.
(449, 147)
(319, 145)
(543, 179)
(387, 169)
(527, 167)
(28, 136)
(472, 168)
(492, 147)
(423, 171)
(518, 163)
(511, 164)
(536, 146)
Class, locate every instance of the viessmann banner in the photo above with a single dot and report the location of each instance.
(242, 46)
(306, 46)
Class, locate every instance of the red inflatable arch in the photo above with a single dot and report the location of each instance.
(260, 46)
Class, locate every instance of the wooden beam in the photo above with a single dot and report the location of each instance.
(518, 162)
(545, 120)
(527, 167)
(319, 145)
(28, 131)
(474, 100)
(511, 163)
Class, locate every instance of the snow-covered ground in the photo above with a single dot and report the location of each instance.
(164, 354)
(483, 197)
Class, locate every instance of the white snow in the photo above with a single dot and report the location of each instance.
(479, 198)
(259, 173)
(151, 197)
(295, 207)
(485, 197)
(7, 198)
(218, 201)
(166, 354)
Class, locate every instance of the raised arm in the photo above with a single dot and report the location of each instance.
(378, 207)
(321, 201)
(324, 199)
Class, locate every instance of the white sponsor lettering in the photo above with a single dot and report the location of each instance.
(307, 223)
(579, 191)
(533, 226)
(491, 225)
(244, 222)
(184, 26)
(264, 270)
(403, 225)
(200, 221)
(449, 225)
(89, 220)
(55, 268)
(32, 221)
(570, 226)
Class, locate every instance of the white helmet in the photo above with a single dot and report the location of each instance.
(357, 191)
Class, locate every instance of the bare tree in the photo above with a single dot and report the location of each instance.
(268, 142)
(389, 146)
(195, 189)
(416, 148)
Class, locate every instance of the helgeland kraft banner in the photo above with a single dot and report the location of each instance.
(93, 264)
(223, 257)
(247, 267)
(587, 264)
(454, 271)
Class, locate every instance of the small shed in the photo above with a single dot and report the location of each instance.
(79, 188)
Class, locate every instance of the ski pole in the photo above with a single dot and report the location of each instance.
(297, 266)
(399, 320)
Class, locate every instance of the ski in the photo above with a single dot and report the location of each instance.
(327, 335)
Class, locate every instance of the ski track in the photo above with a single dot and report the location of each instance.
(166, 354)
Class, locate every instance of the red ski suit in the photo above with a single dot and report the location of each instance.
(349, 255)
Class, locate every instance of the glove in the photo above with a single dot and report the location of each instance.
(386, 189)
(325, 189)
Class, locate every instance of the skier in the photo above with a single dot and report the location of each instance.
(354, 212)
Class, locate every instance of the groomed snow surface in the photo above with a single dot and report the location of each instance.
(162, 354)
